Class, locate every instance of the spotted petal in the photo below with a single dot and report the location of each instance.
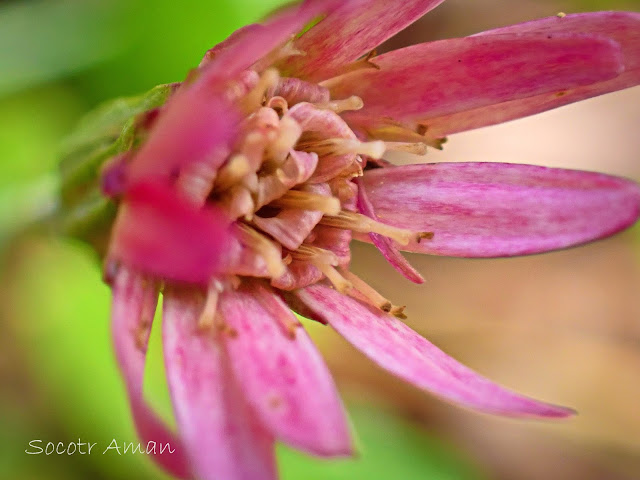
(283, 376)
(397, 348)
(449, 76)
(350, 31)
(496, 209)
(224, 440)
(134, 303)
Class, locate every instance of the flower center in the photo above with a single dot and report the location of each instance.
(288, 184)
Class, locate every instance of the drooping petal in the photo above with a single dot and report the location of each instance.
(350, 31)
(448, 76)
(134, 303)
(623, 27)
(397, 348)
(160, 233)
(283, 376)
(385, 244)
(497, 209)
(223, 438)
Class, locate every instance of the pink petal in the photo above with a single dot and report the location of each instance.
(196, 126)
(497, 209)
(350, 31)
(397, 348)
(223, 438)
(250, 44)
(449, 76)
(385, 244)
(290, 227)
(162, 234)
(134, 304)
(281, 373)
(623, 27)
(297, 275)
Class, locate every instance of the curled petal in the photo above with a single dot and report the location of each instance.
(160, 233)
(385, 244)
(449, 76)
(283, 376)
(497, 209)
(400, 350)
(623, 27)
(134, 304)
(224, 440)
(350, 31)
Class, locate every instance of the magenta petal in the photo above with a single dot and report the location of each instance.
(282, 374)
(397, 348)
(498, 209)
(623, 27)
(195, 126)
(154, 232)
(385, 244)
(222, 436)
(487, 209)
(134, 303)
(350, 31)
(448, 76)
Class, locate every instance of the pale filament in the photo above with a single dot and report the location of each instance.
(338, 106)
(344, 146)
(308, 201)
(361, 223)
(264, 247)
(253, 100)
(207, 318)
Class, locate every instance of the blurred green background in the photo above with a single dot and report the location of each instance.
(565, 326)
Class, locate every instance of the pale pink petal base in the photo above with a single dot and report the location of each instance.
(223, 438)
(400, 350)
(497, 209)
(134, 304)
(282, 375)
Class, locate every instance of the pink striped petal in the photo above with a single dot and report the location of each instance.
(497, 209)
(223, 438)
(134, 304)
(385, 244)
(160, 233)
(281, 373)
(350, 31)
(623, 27)
(397, 348)
(449, 76)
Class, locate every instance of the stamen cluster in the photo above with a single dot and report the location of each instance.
(288, 185)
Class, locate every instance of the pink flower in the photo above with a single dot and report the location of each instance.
(243, 197)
